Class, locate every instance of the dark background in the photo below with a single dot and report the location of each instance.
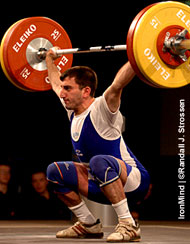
(34, 128)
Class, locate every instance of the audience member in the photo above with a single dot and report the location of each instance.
(8, 194)
(41, 202)
(142, 210)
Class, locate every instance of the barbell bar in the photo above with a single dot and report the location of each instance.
(183, 44)
(42, 53)
(161, 58)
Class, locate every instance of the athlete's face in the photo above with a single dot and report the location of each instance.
(71, 94)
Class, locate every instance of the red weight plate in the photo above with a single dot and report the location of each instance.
(26, 39)
(4, 60)
(168, 56)
(130, 53)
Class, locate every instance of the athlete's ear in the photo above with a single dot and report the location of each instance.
(86, 91)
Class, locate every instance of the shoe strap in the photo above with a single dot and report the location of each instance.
(79, 229)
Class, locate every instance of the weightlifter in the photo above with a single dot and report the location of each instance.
(108, 171)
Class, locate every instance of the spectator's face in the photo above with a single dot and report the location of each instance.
(39, 182)
(5, 174)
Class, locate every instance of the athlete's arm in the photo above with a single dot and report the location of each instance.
(113, 92)
(53, 72)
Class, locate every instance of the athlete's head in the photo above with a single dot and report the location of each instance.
(84, 76)
(78, 83)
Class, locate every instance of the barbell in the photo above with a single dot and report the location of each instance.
(158, 43)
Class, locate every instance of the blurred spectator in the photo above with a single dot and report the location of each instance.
(8, 195)
(41, 202)
(143, 210)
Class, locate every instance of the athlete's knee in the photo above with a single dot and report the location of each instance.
(52, 173)
(97, 162)
(64, 175)
(105, 169)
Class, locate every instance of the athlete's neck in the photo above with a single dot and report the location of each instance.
(84, 106)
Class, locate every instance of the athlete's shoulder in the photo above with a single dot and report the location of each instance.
(107, 124)
(100, 108)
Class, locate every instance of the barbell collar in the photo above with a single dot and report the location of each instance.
(178, 42)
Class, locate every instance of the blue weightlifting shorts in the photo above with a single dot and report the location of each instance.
(104, 170)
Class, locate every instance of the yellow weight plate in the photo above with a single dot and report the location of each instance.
(146, 33)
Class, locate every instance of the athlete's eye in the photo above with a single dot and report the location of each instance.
(67, 88)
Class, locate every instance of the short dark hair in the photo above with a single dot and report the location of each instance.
(84, 76)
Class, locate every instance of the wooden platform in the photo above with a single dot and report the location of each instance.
(25, 232)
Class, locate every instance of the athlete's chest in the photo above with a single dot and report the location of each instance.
(80, 126)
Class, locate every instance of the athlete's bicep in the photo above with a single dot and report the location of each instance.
(113, 93)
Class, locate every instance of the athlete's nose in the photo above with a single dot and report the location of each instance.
(62, 93)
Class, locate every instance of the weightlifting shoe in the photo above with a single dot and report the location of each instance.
(81, 230)
(125, 232)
